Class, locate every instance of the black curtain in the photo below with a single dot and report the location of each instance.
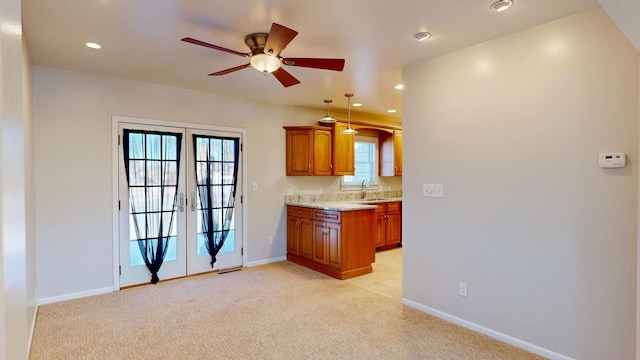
(216, 161)
(152, 164)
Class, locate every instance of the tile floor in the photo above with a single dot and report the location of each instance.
(386, 278)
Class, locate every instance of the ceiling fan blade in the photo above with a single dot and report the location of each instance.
(227, 71)
(285, 78)
(216, 47)
(326, 64)
(279, 38)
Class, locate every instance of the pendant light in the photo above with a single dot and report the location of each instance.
(328, 119)
(349, 130)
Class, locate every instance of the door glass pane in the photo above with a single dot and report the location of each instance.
(153, 179)
(136, 257)
(215, 169)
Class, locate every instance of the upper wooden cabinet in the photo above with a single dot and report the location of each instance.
(343, 150)
(325, 151)
(391, 153)
(309, 151)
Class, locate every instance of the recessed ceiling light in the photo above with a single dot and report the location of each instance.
(357, 104)
(399, 87)
(391, 111)
(501, 5)
(422, 35)
(93, 45)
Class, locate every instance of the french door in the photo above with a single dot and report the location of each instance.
(159, 193)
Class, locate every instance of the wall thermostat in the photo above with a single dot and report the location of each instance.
(612, 160)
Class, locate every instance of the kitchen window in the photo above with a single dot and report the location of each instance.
(366, 164)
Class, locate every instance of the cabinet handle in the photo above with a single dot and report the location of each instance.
(331, 166)
(309, 168)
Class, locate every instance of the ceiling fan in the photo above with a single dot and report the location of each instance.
(265, 55)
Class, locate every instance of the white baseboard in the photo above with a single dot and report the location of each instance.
(486, 331)
(267, 261)
(77, 295)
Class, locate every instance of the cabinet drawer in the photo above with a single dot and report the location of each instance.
(326, 215)
(299, 211)
(394, 206)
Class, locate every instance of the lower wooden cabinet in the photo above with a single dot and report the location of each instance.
(388, 225)
(335, 243)
(300, 233)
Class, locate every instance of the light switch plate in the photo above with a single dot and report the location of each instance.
(433, 190)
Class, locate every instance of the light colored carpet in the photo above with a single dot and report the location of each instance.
(275, 311)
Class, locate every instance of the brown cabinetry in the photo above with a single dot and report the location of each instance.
(391, 153)
(300, 232)
(309, 151)
(340, 242)
(343, 150)
(388, 225)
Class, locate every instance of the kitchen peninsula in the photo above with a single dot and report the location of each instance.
(336, 238)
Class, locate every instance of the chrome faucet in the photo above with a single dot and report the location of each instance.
(363, 189)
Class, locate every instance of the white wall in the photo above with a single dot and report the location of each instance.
(72, 115)
(17, 275)
(544, 238)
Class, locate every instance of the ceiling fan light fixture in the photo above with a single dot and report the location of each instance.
(501, 5)
(328, 119)
(349, 130)
(264, 63)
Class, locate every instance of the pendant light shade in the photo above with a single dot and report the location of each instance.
(349, 130)
(328, 119)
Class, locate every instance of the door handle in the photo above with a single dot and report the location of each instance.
(181, 203)
(193, 201)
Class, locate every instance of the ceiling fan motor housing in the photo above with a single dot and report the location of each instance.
(256, 42)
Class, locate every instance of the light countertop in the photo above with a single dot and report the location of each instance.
(347, 205)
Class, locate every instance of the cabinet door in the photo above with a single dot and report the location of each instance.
(293, 235)
(319, 242)
(397, 152)
(343, 151)
(299, 152)
(332, 240)
(394, 227)
(305, 229)
(390, 153)
(322, 160)
(380, 229)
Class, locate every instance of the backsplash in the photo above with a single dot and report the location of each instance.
(347, 196)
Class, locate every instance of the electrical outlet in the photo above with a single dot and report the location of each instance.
(270, 240)
(462, 289)
(255, 186)
(433, 190)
